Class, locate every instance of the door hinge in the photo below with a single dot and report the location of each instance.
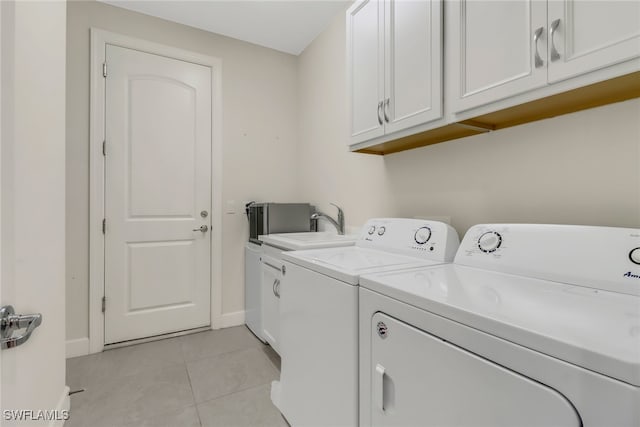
(104, 148)
(104, 226)
(104, 304)
(104, 69)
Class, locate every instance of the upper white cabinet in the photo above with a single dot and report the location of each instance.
(365, 56)
(394, 54)
(498, 49)
(585, 35)
(506, 62)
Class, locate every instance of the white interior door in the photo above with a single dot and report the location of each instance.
(32, 209)
(157, 195)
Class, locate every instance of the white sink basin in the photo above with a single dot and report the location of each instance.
(301, 241)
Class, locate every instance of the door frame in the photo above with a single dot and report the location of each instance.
(99, 39)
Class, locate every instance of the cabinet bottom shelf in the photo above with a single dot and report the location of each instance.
(607, 92)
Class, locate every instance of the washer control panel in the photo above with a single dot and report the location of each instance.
(420, 238)
(600, 257)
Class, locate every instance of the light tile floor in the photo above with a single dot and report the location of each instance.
(214, 378)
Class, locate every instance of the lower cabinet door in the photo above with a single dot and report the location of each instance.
(421, 380)
(271, 303)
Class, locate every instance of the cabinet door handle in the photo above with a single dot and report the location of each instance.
(536, 36)
(380, 113)
(554, 52)
(386, 110)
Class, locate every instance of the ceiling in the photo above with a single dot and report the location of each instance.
(287, 26)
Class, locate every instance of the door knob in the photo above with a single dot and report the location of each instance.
(203, 229)
(10, 322)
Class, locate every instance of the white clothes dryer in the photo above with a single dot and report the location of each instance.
(319, 314)
(532, 325)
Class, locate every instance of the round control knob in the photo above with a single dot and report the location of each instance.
(489, 241)
(634, 256)
(422, 236)
(381, 230)
(372, 229)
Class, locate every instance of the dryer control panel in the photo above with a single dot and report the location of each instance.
(424, 239)
(598, 257)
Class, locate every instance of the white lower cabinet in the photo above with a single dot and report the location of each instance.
(271, 276)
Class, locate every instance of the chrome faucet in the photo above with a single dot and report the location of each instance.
(339, 224)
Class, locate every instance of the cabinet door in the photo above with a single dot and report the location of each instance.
(421, 380)
(494, 47)
(365, 56)
(588, 35)
(253, 288)
(271, 304)
(413, 63)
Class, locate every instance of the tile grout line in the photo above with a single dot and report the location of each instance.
(223, 354)
(193, 395)
(231, 394)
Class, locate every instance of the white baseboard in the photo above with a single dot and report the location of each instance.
(235, 318)
(64, 404)
(80, 346)
(77, 347)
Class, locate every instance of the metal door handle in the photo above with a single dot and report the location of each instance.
(10, 322)
(379, 112)
(554, 52)
(536, 36)
(203, 229)
(386, 110)
(276, 288)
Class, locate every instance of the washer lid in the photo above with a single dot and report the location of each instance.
(598, 330)
(347, 264)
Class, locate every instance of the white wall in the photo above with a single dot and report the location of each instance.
(285, 138)
(582, 168)
(259, 137)
(32, 200)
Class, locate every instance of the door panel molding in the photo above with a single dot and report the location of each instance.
(99, 40)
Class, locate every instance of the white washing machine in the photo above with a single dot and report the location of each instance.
(532, 325)
(319, 315)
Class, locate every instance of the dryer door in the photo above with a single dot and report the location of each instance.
(419, 379)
